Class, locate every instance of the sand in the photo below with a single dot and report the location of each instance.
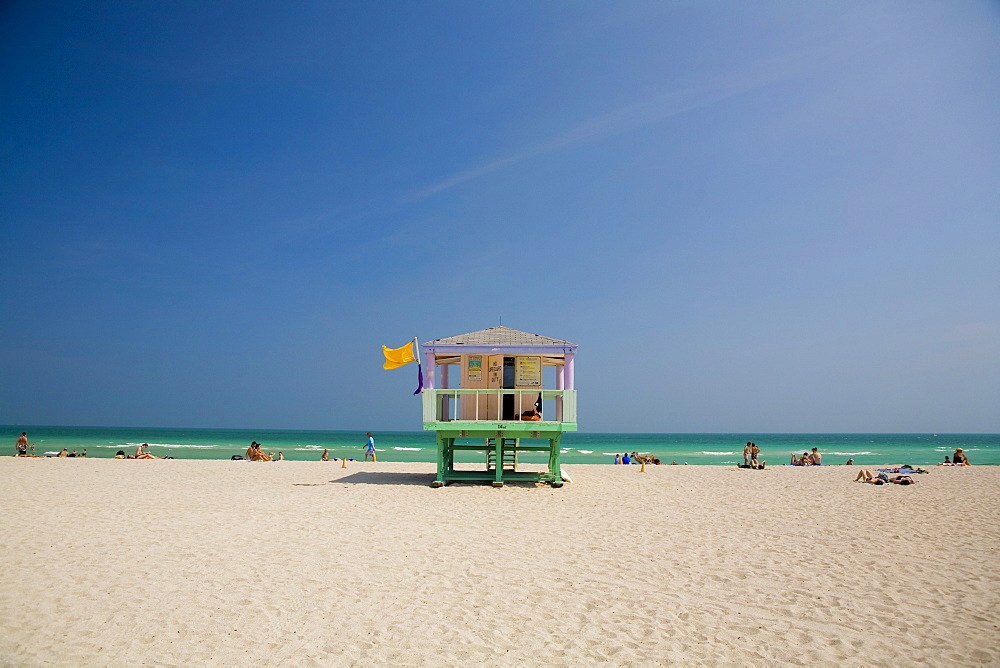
(110, 562)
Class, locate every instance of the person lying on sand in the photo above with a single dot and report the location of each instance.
(882, 478)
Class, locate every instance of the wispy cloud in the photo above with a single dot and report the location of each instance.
(678, 99)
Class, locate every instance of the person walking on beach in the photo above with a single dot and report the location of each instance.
(370, 448)
(22, 444)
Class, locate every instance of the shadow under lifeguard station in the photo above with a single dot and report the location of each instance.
(500, 400)
(386, 478)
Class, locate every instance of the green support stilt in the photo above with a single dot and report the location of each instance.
(498, 460)
(555, 467)
(440, 480)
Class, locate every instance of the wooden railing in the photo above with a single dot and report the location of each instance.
(487, 405)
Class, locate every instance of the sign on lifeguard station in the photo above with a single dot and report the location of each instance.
(486, 389)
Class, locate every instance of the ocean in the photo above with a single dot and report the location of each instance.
(577, 448)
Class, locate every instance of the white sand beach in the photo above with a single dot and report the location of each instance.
(111, 562)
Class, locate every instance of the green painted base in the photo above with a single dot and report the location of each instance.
(498, 443)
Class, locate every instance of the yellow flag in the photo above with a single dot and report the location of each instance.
(397, 357)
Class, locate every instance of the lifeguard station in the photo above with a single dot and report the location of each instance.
(498, 400)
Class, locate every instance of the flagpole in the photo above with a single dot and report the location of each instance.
(416, 347)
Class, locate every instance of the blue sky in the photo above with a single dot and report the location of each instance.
(751, 217)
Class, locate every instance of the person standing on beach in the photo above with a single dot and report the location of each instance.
(326, 455)
(815, 458)
(754, 451)
(370, 448)
(22, 443)
(746, 454)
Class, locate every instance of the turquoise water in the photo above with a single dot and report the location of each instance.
(578, 448)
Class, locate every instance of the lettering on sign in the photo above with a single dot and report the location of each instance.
(529, 371)
(496, 373)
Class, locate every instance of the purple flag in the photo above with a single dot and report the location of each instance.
(420, 379)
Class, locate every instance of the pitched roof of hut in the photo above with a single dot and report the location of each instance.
(501, 336)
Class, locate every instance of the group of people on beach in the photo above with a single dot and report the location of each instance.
(66, 453)
(255, 453)
(25, 449)
(369, 448)
(813, 458)
(636, 458)
(751, 457)
(959, 458)
(883, 478)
